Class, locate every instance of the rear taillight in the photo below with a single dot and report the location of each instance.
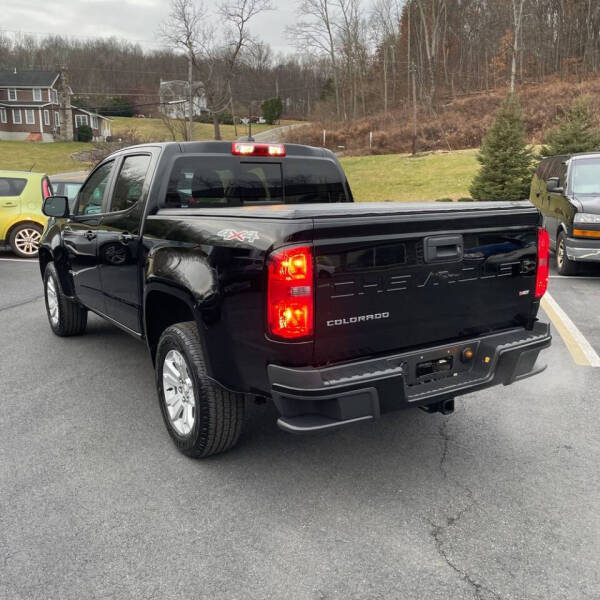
(541, 280)
(46, 190)
(290, 304)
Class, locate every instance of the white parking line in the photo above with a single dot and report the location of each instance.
(27, 260)
(581, 350)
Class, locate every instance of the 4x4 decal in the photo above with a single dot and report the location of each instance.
(239, 236)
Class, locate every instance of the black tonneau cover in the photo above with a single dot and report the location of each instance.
(357, 209)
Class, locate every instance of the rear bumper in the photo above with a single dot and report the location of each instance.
(314, 399)
(580, 249)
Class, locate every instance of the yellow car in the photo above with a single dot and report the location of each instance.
(21, 219)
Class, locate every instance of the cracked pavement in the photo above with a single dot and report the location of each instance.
(499, 501)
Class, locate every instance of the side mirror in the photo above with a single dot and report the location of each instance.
(552, 185)
(56, 206)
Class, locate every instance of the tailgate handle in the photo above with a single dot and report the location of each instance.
(443, 248)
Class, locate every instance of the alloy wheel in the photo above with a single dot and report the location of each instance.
(27, 241)
(178, 388)
(52, 299)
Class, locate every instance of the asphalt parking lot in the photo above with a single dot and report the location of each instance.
(500, 500)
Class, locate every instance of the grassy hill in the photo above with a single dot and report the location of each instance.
(403, 178)
(154, 130)
(43, 158)
(394, 177)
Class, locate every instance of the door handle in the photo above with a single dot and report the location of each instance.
(126, 237)
(90, 235)
(9, 204)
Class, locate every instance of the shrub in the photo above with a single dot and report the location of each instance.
(574, 131)
(506, 160)
(84, 133)
(272, 110)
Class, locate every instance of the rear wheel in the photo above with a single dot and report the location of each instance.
(564, 265)
(67, 317)
(24, 239)
(202, 418)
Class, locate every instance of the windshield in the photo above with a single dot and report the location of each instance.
(585, 176)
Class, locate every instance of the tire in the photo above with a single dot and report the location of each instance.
(210, 418)
(24, 239)
(66, 317)
(564, 266)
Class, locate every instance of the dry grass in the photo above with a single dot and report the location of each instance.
(456, 125)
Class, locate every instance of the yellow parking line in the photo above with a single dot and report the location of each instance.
(581, 350)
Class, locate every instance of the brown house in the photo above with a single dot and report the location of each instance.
(35, 106)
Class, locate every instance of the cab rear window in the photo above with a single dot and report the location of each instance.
(205, 181)
(11, 186)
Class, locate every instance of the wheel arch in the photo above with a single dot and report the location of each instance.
(165, 305)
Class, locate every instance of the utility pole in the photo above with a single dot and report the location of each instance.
(413, 69)
(191, 89)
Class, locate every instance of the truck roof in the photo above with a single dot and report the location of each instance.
(221, 147)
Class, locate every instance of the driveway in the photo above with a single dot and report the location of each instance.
(499, 501)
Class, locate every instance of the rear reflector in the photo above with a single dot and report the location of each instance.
(541, 280)
(252, 149)
(290, 303)
(586, 233)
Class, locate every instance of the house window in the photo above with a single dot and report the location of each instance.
(12, 94)
(54, 96)
(47, 117)
(3, 118)
(80, 120)
(17, 119)
(56, 119)
(29, 117)
(37, 95)
(94, 120)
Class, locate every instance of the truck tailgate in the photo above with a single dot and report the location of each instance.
(421, 275)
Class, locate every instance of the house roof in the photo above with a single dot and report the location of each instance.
(10, 78)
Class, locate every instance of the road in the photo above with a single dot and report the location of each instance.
(277, 134)
(499, 501)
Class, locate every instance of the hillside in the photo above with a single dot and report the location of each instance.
(457, 124)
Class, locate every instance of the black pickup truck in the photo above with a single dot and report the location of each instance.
(251, 274)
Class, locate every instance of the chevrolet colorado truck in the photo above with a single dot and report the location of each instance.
(251, 274)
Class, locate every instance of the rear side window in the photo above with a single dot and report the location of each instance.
(11, 186)
(203, 181)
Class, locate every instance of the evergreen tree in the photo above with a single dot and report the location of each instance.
(506, 160)
(272, 110)
(574, 131)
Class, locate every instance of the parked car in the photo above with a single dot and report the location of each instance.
(67, 186)
(21, 219)
(250, 273)
(566, 189)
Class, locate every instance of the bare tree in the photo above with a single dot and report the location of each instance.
(220, 51)
(316, 33)
(182, 30)
(517, 17)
